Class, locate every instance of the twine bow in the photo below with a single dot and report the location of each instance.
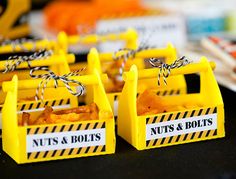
(50, 75)
(130, 53)
(14, 61)
(165, 69)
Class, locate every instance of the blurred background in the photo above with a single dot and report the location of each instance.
(196, 27)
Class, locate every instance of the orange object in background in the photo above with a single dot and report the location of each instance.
(81, 16)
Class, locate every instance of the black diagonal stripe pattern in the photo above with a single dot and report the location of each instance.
(171, 92)
(54, 153)
(37, 154)
(71, 126)
(177, 139)
(59, 153)
(54, 128)
(87, 126)
(28, 130)
(162, 118)
(208, 110)
(45, 154)
(185, 137)
(155, 119)
(170, 139)
(208, 132)
(62, 128)
(200, 112)
(215, 110)
(79, 126)
(177, 116)
(162, 140)
(165, 93)
(103, 149)
(192, 114)
(192, 137)
(46, 103)
(103, 125)
(70, 152)
(62, 152)
(28, 155)
(79, 150)
(215, 133)
(30, 106)
(155, 142)
(95, 149)
(45, 129)
(87, 149)
(95, 126)
(200, 134)
(53, 103)
(38, 105)
(61, 101)
(185, 114)
(36, 131)
(23, 107)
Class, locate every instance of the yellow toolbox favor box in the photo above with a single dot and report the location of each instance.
(168, 54)
(192, 117)
(34, 143)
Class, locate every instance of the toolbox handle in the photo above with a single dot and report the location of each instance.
(94, 38)
(47, 44)
(188, 69)
(169, 51)
(32, 84)
(70, 58)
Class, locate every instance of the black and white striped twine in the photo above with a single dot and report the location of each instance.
(14, 61)
(21, 44)
(50, 75)
(130, 53)
(165, 69)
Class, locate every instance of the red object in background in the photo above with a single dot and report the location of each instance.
(225, 45)
(68, 16)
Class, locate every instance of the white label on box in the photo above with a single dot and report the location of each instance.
(65, 140)
(156, 30)
(181, 126)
